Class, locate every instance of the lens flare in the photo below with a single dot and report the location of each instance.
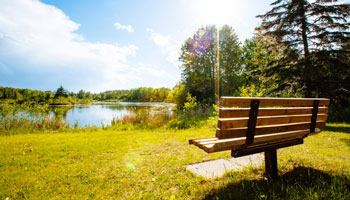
(132, 160)
(201, 41)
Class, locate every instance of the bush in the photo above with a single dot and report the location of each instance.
(186, 118)
(339, 113)
(252, 91)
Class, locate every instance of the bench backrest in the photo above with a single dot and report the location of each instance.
(249, 117)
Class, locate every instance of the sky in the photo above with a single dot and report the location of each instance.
(101, 45)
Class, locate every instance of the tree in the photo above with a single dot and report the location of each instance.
(271, 67)
(61, 92)
(198, 57)
(88, 95)
(81, 94)
(49, 95)
(307, 28)
(178, 96)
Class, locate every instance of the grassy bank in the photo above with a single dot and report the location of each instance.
(150, 164)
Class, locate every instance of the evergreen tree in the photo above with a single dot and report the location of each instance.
(272, 66)
(61, 92)
(307, 28)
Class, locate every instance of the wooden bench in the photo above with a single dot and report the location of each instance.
(252, 125)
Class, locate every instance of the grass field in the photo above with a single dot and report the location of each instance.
(150, 164)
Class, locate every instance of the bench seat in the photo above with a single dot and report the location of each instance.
(252, 125)
(211, 145)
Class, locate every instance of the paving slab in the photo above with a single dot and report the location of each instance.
(217, 168)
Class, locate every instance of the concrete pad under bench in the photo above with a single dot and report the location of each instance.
(217, 168)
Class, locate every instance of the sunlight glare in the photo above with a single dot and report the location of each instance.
(218, 12)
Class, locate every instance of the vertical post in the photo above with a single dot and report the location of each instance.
(314, 116)
(271, 163)
(214, 95)
(253, 116)
(218, 61)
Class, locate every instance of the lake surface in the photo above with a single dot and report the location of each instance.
(103, 113)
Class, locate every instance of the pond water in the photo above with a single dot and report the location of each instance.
(103, 113)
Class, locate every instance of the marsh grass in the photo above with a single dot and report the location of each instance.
(162, 119)
(36, 118)
(141, 120)
(29, 118)
(150, 164)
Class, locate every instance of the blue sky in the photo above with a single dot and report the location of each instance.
(108, 44)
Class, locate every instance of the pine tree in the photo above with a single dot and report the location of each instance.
(61, 92)
(307, 28)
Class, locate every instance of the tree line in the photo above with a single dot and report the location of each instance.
(62, 96)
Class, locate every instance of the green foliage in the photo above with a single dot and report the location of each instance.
(199, 59)
(339, 113)
(142, 94)
(64, 97)
(190, 105)
(62, 101)
(191, 114)
(25, 118)
(306, 26)
(271, 65)
(81, 94)
(252, 91)
(312, 33)
(61, 92)
(14, 95)
(178, 96)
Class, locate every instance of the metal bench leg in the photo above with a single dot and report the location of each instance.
(271, 163)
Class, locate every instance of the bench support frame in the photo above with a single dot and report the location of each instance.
(270, 154)
(253, 116)
(271, 163)
(314, 116)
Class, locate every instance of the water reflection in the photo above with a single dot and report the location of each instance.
(103, 113)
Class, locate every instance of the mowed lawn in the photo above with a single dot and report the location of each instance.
(150, 164)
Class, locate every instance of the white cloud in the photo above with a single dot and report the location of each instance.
(44, 38)
(123, 27)
(158, 38)
(170, 47)
(150, 70)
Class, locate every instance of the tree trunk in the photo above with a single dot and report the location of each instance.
(307, 62)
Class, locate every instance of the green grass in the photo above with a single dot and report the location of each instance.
(150, 164)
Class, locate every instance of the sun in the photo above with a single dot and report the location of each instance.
(218, 12)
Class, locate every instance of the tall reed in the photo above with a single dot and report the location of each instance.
(143, 119)
(27, 118)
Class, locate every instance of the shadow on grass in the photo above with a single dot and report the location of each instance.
(347, 141)
(343, 129)
(300, 183)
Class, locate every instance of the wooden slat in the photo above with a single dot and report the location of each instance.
(262, 130)
(244, 112)
(288, 119)
(263, 148)
(196, 141)
(266, 102)
(228, 144)
(227, 123)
